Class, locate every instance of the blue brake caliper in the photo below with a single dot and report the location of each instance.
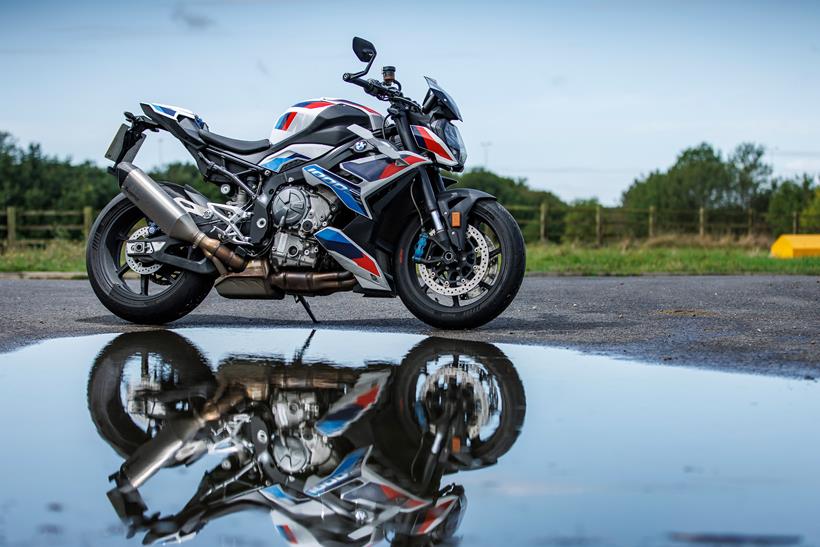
(421, 245)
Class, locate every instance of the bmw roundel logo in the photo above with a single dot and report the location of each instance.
(360, 146)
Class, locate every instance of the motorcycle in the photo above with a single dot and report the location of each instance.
(339, 198)
(336, 455)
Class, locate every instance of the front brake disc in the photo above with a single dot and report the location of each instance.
(443, 286)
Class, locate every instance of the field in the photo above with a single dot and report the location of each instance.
(670, 255)
(570, 260)
(55, 256)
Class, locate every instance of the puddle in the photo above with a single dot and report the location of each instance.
(260, 437)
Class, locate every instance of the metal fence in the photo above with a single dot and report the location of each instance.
(539, 222)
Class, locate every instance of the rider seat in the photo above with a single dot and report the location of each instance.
(234, 145)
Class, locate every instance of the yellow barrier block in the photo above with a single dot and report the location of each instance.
(795, 246)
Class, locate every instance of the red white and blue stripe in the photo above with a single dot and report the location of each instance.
(338, 419)
(285, 121)
(349, 469)
(428, 140)
(381, 168)
(336, 242)
(276, 163)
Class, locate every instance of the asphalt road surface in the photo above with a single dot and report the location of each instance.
(763, 324)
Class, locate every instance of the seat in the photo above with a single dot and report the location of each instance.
(234, 145)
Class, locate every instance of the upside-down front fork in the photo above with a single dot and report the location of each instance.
(440, 228)
(429, 188)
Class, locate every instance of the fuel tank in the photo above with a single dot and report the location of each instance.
(326, 120)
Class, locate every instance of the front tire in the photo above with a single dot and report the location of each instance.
(177, 292)
(502, 273)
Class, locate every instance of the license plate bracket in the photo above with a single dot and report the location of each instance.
(117, 151)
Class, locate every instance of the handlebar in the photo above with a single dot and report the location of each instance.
(378, 89)
(371, 87)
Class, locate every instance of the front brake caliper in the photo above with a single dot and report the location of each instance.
(421, 245)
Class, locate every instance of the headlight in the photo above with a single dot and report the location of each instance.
(452, 138)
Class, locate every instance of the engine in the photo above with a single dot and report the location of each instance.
(298, 212)
(298, 447)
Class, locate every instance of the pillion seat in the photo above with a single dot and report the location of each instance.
(234, 145)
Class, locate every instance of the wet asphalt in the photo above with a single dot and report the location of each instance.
(759, 324)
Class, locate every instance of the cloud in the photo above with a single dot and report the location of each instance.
(262, 67)
(190, 19)
(558, 80)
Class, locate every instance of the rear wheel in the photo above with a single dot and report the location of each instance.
(136, 291)
(140, 380)
(472, 289)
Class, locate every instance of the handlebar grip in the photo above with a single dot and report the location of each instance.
(346, 76)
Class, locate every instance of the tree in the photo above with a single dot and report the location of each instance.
(516, 192)
(580, 220)
(810, 216)
(788, 197)
(750, 173)
(698, 178)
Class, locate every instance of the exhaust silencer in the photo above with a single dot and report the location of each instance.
(175, 222)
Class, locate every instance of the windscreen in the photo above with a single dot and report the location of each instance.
(444, 98)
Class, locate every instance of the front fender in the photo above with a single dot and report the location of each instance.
(461, 201)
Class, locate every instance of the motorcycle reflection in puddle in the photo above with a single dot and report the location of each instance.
(335, 454)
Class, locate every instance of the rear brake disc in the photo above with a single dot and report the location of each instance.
(133, 263)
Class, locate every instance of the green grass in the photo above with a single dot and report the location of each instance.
(615, 260)
(56, 256)
(670, 255)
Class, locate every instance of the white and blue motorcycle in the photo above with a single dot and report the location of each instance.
(339, 198)
(335, 455)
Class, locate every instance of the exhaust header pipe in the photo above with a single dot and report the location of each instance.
(154, 201)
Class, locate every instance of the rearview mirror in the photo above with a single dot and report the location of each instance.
(363, 49)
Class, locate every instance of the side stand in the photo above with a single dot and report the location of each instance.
(301, 299)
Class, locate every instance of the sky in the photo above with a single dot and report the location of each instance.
(579, 98)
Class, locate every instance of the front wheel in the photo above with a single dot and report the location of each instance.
(473, 288)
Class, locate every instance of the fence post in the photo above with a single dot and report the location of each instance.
(11, 226)
(702, 222)
(794, 222)
(544, 229)
(749, 223)
(651, 221)
(87, 219)
(598, 231)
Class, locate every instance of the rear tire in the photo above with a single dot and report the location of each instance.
(186, 291)
(498, 295)
(186, 366)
